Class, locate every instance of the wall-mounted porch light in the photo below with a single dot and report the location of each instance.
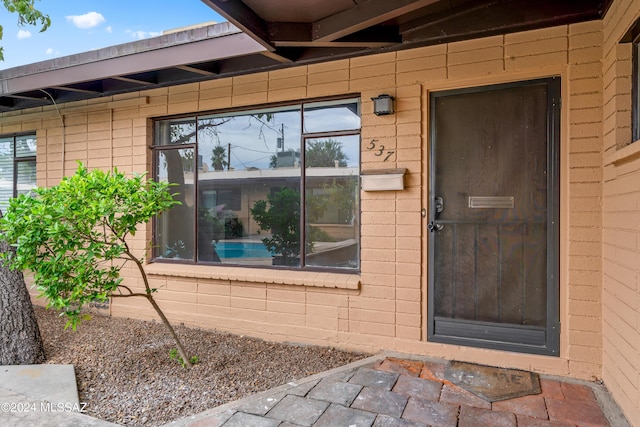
(383, 105)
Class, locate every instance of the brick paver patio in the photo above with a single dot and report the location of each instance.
(407, 393)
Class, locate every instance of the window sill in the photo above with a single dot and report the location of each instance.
(623, 155)
(257, 275)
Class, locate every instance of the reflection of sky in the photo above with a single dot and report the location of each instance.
(253, 139)
(331, 116)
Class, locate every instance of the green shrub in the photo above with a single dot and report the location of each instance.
(73, 237)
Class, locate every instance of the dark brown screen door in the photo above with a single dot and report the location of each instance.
(493, 217)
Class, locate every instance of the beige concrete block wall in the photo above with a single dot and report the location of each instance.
(584, 163)
(384, 307)
(621, 217)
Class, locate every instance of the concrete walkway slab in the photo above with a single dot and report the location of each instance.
(53, 383)
(42, 396)
(21, 411)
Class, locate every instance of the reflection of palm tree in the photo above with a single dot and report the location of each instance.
(219, 158)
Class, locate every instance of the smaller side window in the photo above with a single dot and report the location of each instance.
(17, 167)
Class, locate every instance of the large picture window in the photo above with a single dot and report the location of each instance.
(276, 186)
(17, 167)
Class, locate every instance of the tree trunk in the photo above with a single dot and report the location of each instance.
(20, 340)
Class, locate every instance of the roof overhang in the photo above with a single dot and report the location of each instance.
(270, 34)
(182, 57)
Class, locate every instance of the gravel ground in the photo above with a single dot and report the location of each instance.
(125, 375)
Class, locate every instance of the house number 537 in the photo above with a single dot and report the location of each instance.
(379, 150)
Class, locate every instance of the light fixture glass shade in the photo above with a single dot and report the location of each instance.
(383, 105)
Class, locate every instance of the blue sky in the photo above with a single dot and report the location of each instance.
(83, 25)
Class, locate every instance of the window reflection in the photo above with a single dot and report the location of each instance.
(174, 229)
(180, 131)
(328, 116)
(25, 146)
(25, 177)
(248, 193)
(331, 201)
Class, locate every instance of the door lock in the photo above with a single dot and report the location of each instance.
(439, 204)
(434, 227)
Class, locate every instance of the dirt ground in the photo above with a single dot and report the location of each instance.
(125, 374)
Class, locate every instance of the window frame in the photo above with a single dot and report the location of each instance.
(635, 86)
(16, 160)
(155, 147)
(632, 36)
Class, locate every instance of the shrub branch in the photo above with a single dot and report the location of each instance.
(70, 234)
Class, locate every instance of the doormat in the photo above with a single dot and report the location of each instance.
(492, 384)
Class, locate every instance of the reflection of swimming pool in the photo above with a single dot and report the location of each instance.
(242, 250)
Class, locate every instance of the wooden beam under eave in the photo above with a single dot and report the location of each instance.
(47, 113)
(195, 70)
(297, 35)
(29, 98)
(500, 17)
(322, 54)
(6, 104)
(363, 16)
(276, 56)
(449, 15)
(244, 18)
(363, 45)
(74, 89)
(132, 80)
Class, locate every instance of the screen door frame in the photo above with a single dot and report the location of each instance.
(493, 335)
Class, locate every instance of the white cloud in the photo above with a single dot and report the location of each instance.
(51, 51)
(109, 29)
(139, 35)
(86, 21)
(23, 34)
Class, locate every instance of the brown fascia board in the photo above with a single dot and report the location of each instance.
(218, 41)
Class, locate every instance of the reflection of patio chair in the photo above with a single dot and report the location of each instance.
(333, 253)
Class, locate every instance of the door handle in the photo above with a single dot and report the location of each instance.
(433, 227)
